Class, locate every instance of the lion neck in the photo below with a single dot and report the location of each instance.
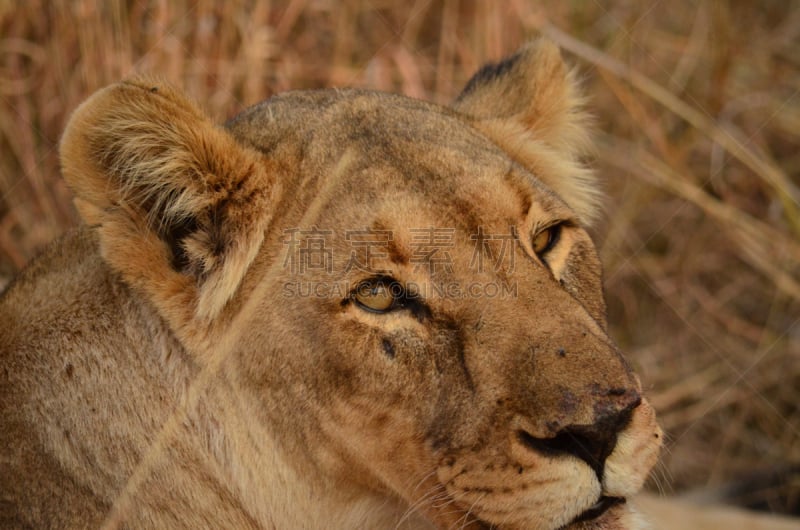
(282, 483)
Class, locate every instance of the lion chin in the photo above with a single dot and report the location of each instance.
(342, 309)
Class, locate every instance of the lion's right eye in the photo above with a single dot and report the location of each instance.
(378, 296)
(545, 240)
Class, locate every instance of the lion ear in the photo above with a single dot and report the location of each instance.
(181, 206)
(530, 106)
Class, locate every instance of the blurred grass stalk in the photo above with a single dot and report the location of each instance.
(787, 192)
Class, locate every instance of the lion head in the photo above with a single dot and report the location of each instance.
(402, 296)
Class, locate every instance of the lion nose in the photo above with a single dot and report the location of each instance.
(591, 443)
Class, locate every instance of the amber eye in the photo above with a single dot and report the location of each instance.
(545, 240)
(378, 296)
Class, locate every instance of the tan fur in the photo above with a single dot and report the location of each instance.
(163, 368)
(538, 119)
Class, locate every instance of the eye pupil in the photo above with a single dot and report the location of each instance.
(375, 296)
(545, 240)
(542, 240)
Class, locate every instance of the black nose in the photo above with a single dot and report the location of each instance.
(591, 443)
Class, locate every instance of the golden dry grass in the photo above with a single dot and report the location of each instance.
(698, 112)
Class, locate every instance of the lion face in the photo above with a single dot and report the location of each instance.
(406, 290)
(455, 324)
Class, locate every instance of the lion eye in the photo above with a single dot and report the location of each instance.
(377, 296)
(545, 240)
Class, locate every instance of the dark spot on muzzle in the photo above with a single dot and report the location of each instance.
(388, 348)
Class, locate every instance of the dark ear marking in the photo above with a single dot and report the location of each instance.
(487, 73)
(174, 235)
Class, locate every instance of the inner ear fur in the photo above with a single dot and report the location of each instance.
(179, 205)
(530, 105)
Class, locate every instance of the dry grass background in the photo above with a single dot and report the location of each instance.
(698, 113)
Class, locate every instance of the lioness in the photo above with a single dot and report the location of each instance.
(345, 309)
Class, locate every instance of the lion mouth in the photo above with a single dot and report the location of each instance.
(592, 513)
(597, 509)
